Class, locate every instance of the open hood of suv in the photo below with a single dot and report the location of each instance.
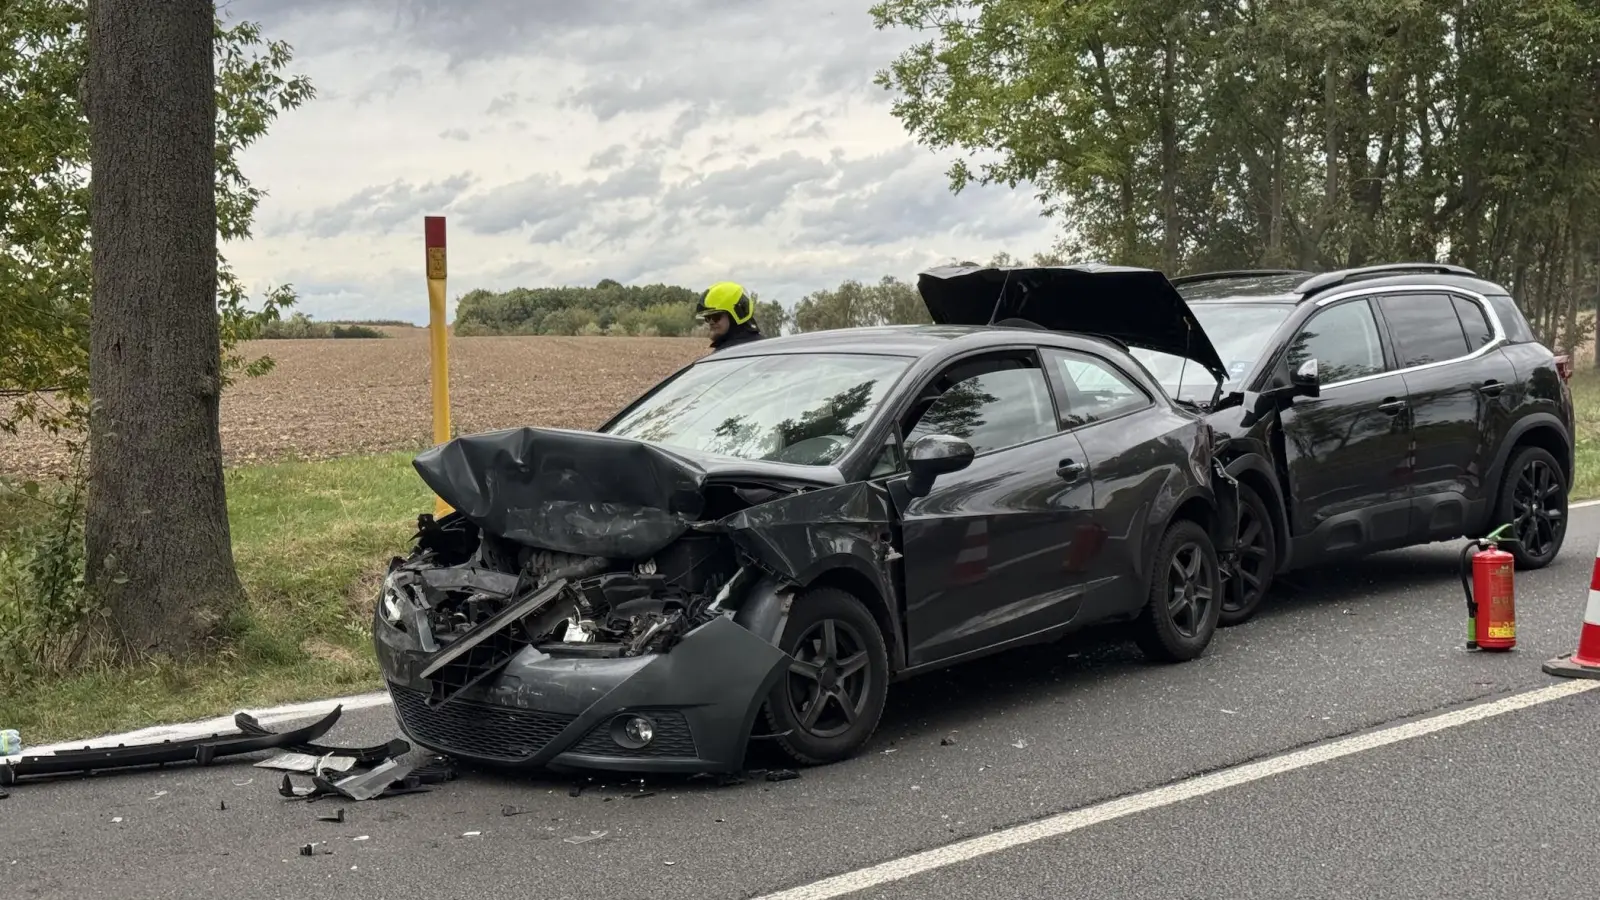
(1138, 307)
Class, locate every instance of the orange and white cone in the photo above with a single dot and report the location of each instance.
(1585, 662)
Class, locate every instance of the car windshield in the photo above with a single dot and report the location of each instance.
(1239, 331)
(802, 408)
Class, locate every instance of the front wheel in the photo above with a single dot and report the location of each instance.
(830, 701)
(1258, 561)
(1180, 615)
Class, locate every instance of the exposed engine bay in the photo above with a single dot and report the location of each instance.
(671, 547)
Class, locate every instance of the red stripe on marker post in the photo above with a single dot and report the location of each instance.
(433, 231)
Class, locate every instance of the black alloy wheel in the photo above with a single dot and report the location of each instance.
(1534, 500)
(1180, 615)
(829, 702)
(828, 678)
(1258, 561)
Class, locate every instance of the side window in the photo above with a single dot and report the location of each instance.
(1511, 319)
(1424, 328)
(1094, 390)
(1473, 322)
(1343, 339)
(990, 404)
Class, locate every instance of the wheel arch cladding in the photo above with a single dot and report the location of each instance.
(862, 587)
(1545, 436)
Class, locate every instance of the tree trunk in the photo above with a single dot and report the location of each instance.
(159, 553)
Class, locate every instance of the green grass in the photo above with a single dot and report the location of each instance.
(310, 541)
(1586, 408)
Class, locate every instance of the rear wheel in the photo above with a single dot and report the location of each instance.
(829, 702)
(1533, 498)
(1258, 560)
(1180, 615)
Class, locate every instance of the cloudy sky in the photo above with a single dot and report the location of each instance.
(567, 141)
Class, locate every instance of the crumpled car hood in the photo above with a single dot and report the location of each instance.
(586, 493)
(1139, 307)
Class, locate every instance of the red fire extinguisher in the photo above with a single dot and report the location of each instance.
(1491, 595)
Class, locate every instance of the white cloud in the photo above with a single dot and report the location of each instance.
(642, 140)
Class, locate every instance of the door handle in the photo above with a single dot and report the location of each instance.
(1491, 387)
(1392, 406)
(1071, 470)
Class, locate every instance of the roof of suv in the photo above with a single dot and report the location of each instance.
(1298, 286)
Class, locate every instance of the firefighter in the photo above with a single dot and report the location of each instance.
(730, 314)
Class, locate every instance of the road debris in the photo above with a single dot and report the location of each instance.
(201, 751)
(10, 742)
(586, 838)
(782, 775)
(362, 837)
(514, 810)
(222, 806)
(312, 849)
(306, 763)
(948, 740)
(335, 816)
(467, 834)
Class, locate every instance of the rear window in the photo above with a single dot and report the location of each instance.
(1511, 318)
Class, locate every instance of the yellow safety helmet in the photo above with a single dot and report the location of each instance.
(728, 297)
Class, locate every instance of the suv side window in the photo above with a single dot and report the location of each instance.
(1423, 327)
(1343, 339)
(1473, 322)
(1511, 319)
(990, 403)
(1094, 391)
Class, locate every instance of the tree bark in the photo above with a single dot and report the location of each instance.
(159, 552)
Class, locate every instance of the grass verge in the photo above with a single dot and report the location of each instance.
(309, 542)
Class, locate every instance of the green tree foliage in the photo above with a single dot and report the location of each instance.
(609, 308)
(1232, 133)
(44, 201)
(855, 305)
(301, 327)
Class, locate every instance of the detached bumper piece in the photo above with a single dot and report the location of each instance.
(197, 750)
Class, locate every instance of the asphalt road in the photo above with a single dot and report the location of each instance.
(1036, 732)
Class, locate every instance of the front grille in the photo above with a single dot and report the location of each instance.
(473, 728)
(672, 739)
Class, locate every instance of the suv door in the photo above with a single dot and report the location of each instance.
(1455, 387)
(983, 549)
(1347, 450)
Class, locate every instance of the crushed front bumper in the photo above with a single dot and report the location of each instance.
(561, 711)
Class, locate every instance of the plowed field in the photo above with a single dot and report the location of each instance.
(330, 398)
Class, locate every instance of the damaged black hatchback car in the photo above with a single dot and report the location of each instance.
(767, 539)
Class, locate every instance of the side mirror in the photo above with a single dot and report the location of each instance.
(1305, 380)
(934, 455)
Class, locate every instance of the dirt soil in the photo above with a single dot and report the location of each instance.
(329, 398)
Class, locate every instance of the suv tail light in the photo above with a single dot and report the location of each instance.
(1564, 367)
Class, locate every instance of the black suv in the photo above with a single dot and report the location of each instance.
(1376, 408)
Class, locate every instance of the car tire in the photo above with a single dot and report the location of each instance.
(1175, 628)
(1533, 470)
(1258, 561)
(855, 638)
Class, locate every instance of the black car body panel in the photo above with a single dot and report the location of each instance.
(1405, 448)
(1078, 465)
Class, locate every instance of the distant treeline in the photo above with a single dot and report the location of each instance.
(663, 310)
(608, 308)
(300, 327)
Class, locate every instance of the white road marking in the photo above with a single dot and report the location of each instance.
(1065, 823)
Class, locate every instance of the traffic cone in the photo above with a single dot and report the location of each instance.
(1585, 662)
